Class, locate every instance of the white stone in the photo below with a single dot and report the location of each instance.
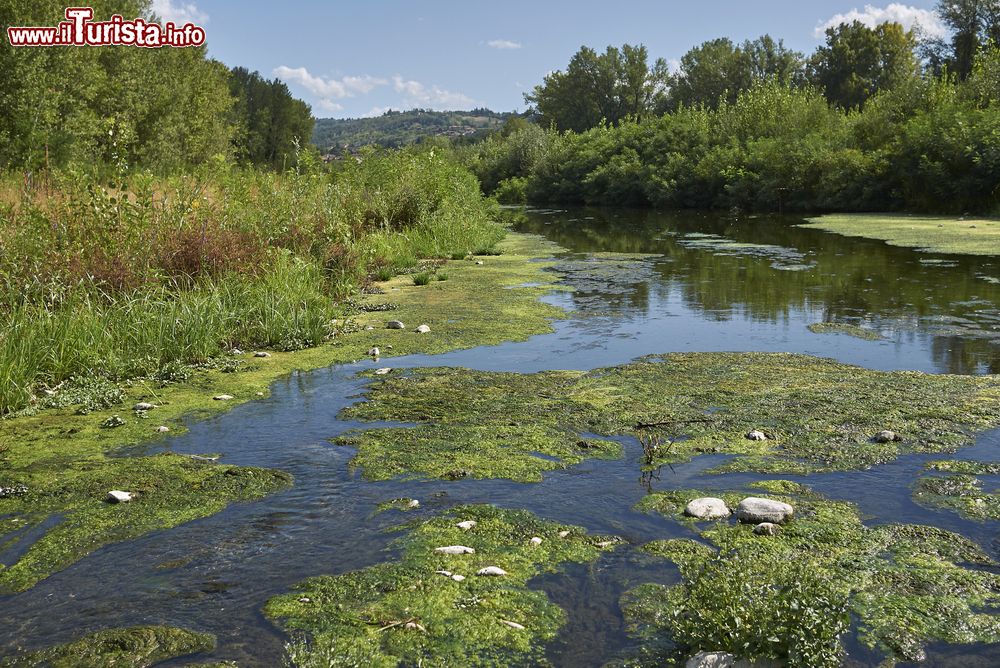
(395, 324)
(756, 435)
(383, 371)
(563, 534)
(305, 599)
(755, 510)
(766, 529)
(447, 574)
(262, 353)
(423, 329)
(222, 397)
(457, 578)
(707, 508)
(413, 504)
(163, 429)
(118, 496)
(513, 625)
(369, 328)
(479, 262)
(536, 541)
(374, 352)
(236, 351)
(454, 549)
(143, 406)
(491, 571)
(466, 525)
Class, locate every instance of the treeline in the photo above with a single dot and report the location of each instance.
(875, 119)
(163, 109)
(395, 129)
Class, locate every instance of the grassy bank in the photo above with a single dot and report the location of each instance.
(963, 236)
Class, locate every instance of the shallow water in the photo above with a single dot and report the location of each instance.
(712, 283)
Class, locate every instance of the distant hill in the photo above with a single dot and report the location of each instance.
(399, 128)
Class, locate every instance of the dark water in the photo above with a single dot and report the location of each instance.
(757, 291)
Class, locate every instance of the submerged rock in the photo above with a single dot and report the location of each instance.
(143, 406)
(766, 529)
(466, 525)
(887, 436)
(756, 435)
(223, 397)
(707, 508)
(454, 549)
(755, 510)
(423, 329)
(118, 496)
(491, 571)
(395, 324)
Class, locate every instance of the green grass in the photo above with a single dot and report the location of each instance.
(965, 236)
(423, 278)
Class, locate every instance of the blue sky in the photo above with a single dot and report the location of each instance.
(350, 59)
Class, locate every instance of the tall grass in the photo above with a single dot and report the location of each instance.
(123, 280)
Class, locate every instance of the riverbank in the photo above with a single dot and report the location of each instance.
(933, 234)
(59, 464)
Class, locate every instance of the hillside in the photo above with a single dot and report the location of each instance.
(399, 128)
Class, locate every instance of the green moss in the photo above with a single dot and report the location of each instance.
(844, 328)
(135, 647)
(820, 415)
(969, 236)
(790, 596)
(964, 466)
(960, 492)
(405, 613)
(60, 451)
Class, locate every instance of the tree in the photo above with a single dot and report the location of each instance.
(269, 119)
(974, 23)
(610, 87)
(857, 62)
(719, 70)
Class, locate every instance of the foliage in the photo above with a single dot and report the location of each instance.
(395, 129)
(270, 122)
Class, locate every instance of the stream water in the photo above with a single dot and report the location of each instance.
(706, 283)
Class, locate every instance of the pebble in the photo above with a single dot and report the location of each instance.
(513, 625)
(886, 436)
(423, 329)
(479, 262)
(766, 529)
(707, 508)
(395, 324)
(222, 397)
(305, 599)
(382, 371)
(118, 496)
(413, 504)
(491, 571)
(454, 549)
(457, 578)
(466, 525)
(563, 534)
(756, 435)
(369, 328)
(374, 352)
(414, 625)
(536, 541)
(143, 406)
(162, 429)
(447, 574)
(261, 353)
(260, 394)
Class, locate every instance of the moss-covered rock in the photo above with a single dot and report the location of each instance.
(791, 595)
(416, 612)
(133, 647)
(819, 415)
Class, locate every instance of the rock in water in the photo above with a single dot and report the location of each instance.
(413, 504)
(756, 435)
(222, 397)
(754, 510)
(707, 508)
(766, 529)
(423, 329)
(143, 406)
(374, 352)
(887, 436)
(454, 549)
(395, 324)
(466, 525)
(491, 571)
(118, 496)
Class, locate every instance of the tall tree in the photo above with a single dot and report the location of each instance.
(611, 87)
(973, 24)
(268, 118)
(857, 62)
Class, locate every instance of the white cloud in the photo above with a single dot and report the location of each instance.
(178, 12)
(376, 111)
(330, 105)
(417, 94)
(909, 17)
(503, 44)
(328, 88)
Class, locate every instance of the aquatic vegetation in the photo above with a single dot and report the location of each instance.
(845, 328)
(790, 596)
(430, 608)
(965, 236)
(601, 280)
(137, 647)
(782, 258)
(960, 489)
(818, 415)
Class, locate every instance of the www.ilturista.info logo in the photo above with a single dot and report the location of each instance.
(79, 30)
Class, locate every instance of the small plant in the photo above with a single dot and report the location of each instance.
(383, 273)
(112, 422)
(442, 276)
(423, 278)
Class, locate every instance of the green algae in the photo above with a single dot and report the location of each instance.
(135, 647)
(967, 236)
(61, 453)
(406, 613)
(959, 489)
(844, 328)
(820, 416)
(789, 597)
